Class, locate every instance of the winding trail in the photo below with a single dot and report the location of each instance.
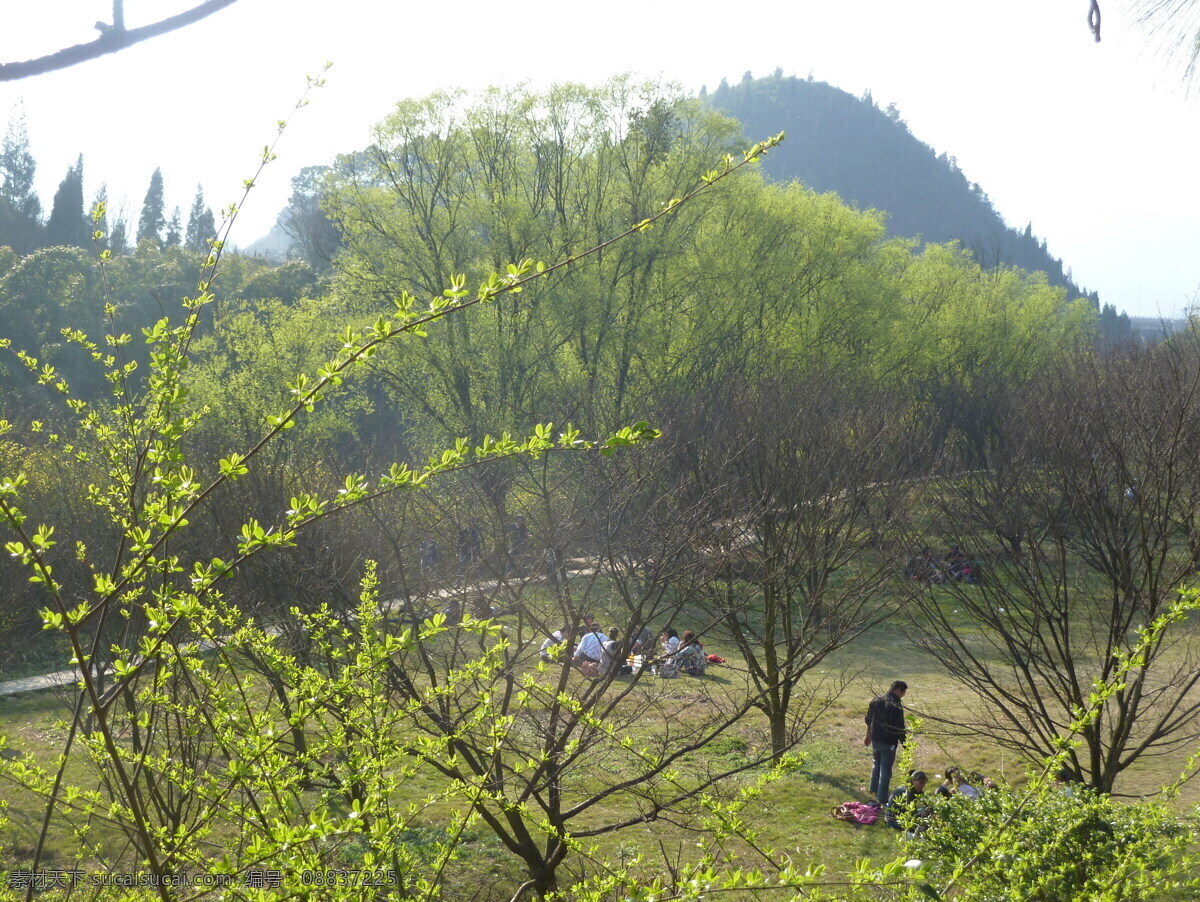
(65, 679)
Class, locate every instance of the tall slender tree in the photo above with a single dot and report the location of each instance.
(20, 209)
(68, 226)
(175, 229)
(201, 227)
(118, 239)
(152, 222)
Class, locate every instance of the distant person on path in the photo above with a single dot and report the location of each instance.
(518, 545)
(462, 548)
(430, 557)
(885, 731)
(556, 570)
(469, 546)
(476, 543)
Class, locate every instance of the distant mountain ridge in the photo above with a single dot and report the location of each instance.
(838, 142)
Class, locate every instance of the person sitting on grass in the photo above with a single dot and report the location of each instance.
(669, 666)
(924, 567)
(904, 809)
(613, 659)
(955, 561)
(644, 643)
(589, 654)
(669, 641)
(976, 779)
(957, 783)
(559, 637)
(690, 657)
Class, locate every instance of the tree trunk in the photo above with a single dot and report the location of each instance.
(779, 738)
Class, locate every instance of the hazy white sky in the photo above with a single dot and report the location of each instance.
(1096, 144)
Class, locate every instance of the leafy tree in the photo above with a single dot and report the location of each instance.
(68, 226)
(314, 235)
(1074, 844)
(969, 334)
(201, 227)
(446, 188)
(47, 291)
(152, 221)
(1113, 328)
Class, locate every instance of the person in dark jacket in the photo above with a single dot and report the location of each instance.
(885, 732)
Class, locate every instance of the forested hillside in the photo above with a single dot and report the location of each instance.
(838, 142)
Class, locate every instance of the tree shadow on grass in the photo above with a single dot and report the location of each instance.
(851, 788)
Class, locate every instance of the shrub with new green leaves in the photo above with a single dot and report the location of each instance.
(1057, 844)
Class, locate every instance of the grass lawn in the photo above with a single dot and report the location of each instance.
(792, 817)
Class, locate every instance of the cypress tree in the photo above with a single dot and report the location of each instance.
(152, 221)
(20, 209)
(68, 225)
(175, 229)
(201, 226)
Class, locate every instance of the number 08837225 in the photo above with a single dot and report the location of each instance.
(351, 877)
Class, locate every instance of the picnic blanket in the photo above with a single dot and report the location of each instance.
(861, 813)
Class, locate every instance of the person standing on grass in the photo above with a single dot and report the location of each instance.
(518, 545)
(885, 732)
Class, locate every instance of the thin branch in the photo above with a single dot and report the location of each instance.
(113, 38)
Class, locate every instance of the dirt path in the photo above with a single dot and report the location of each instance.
(65, 679)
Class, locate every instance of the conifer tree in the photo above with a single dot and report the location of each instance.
(68, 225)
(201, 226)
(152, 221)
(20, 209)
(118, 239)
(175, 229)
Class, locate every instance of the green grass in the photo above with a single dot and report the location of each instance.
(792, 817)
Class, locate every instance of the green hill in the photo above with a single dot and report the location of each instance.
(838, 142)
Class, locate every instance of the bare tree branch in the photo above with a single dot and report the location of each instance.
(112, 38)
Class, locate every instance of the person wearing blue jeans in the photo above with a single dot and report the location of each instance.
(885, 733)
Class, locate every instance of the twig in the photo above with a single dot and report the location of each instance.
(112, 38)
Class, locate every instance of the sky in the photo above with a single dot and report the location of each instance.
(1094, 144)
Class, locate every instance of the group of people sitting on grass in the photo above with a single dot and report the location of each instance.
(927, 567)
(907, 807)
(598, 653)
(681, 655)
